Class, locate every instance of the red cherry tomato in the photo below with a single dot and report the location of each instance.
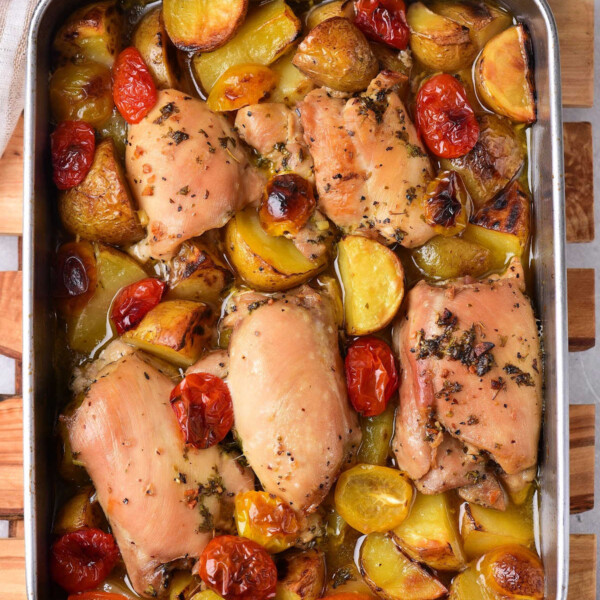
(134, 91)
(445, 118)
(238, 569)
(371, 375)
(383, 21)
(133, 302)
(81, 560)
(97, 595)
(72, 145)
(203, 407)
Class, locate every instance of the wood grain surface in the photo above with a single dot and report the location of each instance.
(581, 298)
(11, 185)
(11, 312)
(582, 422)
(11, 459)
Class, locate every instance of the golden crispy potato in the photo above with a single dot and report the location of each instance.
(101, 208)
(439, 43)
(177, 331)
(430, 533)
(494, 161)
(81, 510)
(376, 435)
(91, 33)
(448, 258)
(322, 12)
(181, 586)
(303, 576)
(266, 262)
(373, 281)
(115, 128)
(503, 246)
(81, 92)
(292, 84)
(336, 54)
(268, 32)
(197, 273)
(484, 529)
(392, 575)
(151, 39)
(240, 86)
(504, 75)
(203, 25)
(466, 586)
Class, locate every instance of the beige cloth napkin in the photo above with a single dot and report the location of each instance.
(14, 23)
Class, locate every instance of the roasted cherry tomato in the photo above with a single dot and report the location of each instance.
(203, 407)
(238, 569)
(287, 204)
(72, 145)
(267, 520)
(371, 375)
(97, 595)
(445, 118)
(383, 21)
(81, 560)
(133, 302)
(134, 91)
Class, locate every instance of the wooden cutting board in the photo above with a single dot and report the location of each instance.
(576, 31)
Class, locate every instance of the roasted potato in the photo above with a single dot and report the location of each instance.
(502, 246)
(376, 435)
(81, 510)
(373, 281)
(322, 12)
(240, 86)
(336, 54)
(493, 162)
(448, 258)
(392, 575)
(302, 576)
(390, 59)
(197, 273)
(182, 586)
(504, 75)
(267, 33)
(115, 128)
(430, 533)
(292, 84)
(203, 25)
(438, 42)
(81, 93)
(265, 262)
(101, 208)
(330, 288)
(177, 331)
(483, 529)
(155, 46)
(206, 595)
(91, 33)
(466, 586)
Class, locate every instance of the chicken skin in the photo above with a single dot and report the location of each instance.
(287, 383)
(371, 168)
(471, 370)
(163, 499)
(187, 172)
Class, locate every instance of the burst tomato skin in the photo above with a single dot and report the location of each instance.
(202, 404)
(445, 118)
(238, 569)
(383, 21)
(134, 91)
(81, 560)
(133, 302)
(371, 375)
(72, 145)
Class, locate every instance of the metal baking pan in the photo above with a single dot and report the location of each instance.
(40, 388)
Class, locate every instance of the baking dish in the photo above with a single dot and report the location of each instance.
(40, 381)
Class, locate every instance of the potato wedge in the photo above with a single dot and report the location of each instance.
(504, 75)
(373, 281)
(447, 204)
(329, 287)
(438, 42)
(430, 533)
(392, 575)
(177, 331)
(322, 12)
(197, 273)
(266, 262)
(336, 54)
(91, 33)
(503, 246)
(81, 510)
(467, 586)
(292, 84)
(268, 32)
(203, 25)
(101, 208)
(240, 86)
(303, 576)
(376, 435)
(483, 529)
(151, 39)
(495, 160)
